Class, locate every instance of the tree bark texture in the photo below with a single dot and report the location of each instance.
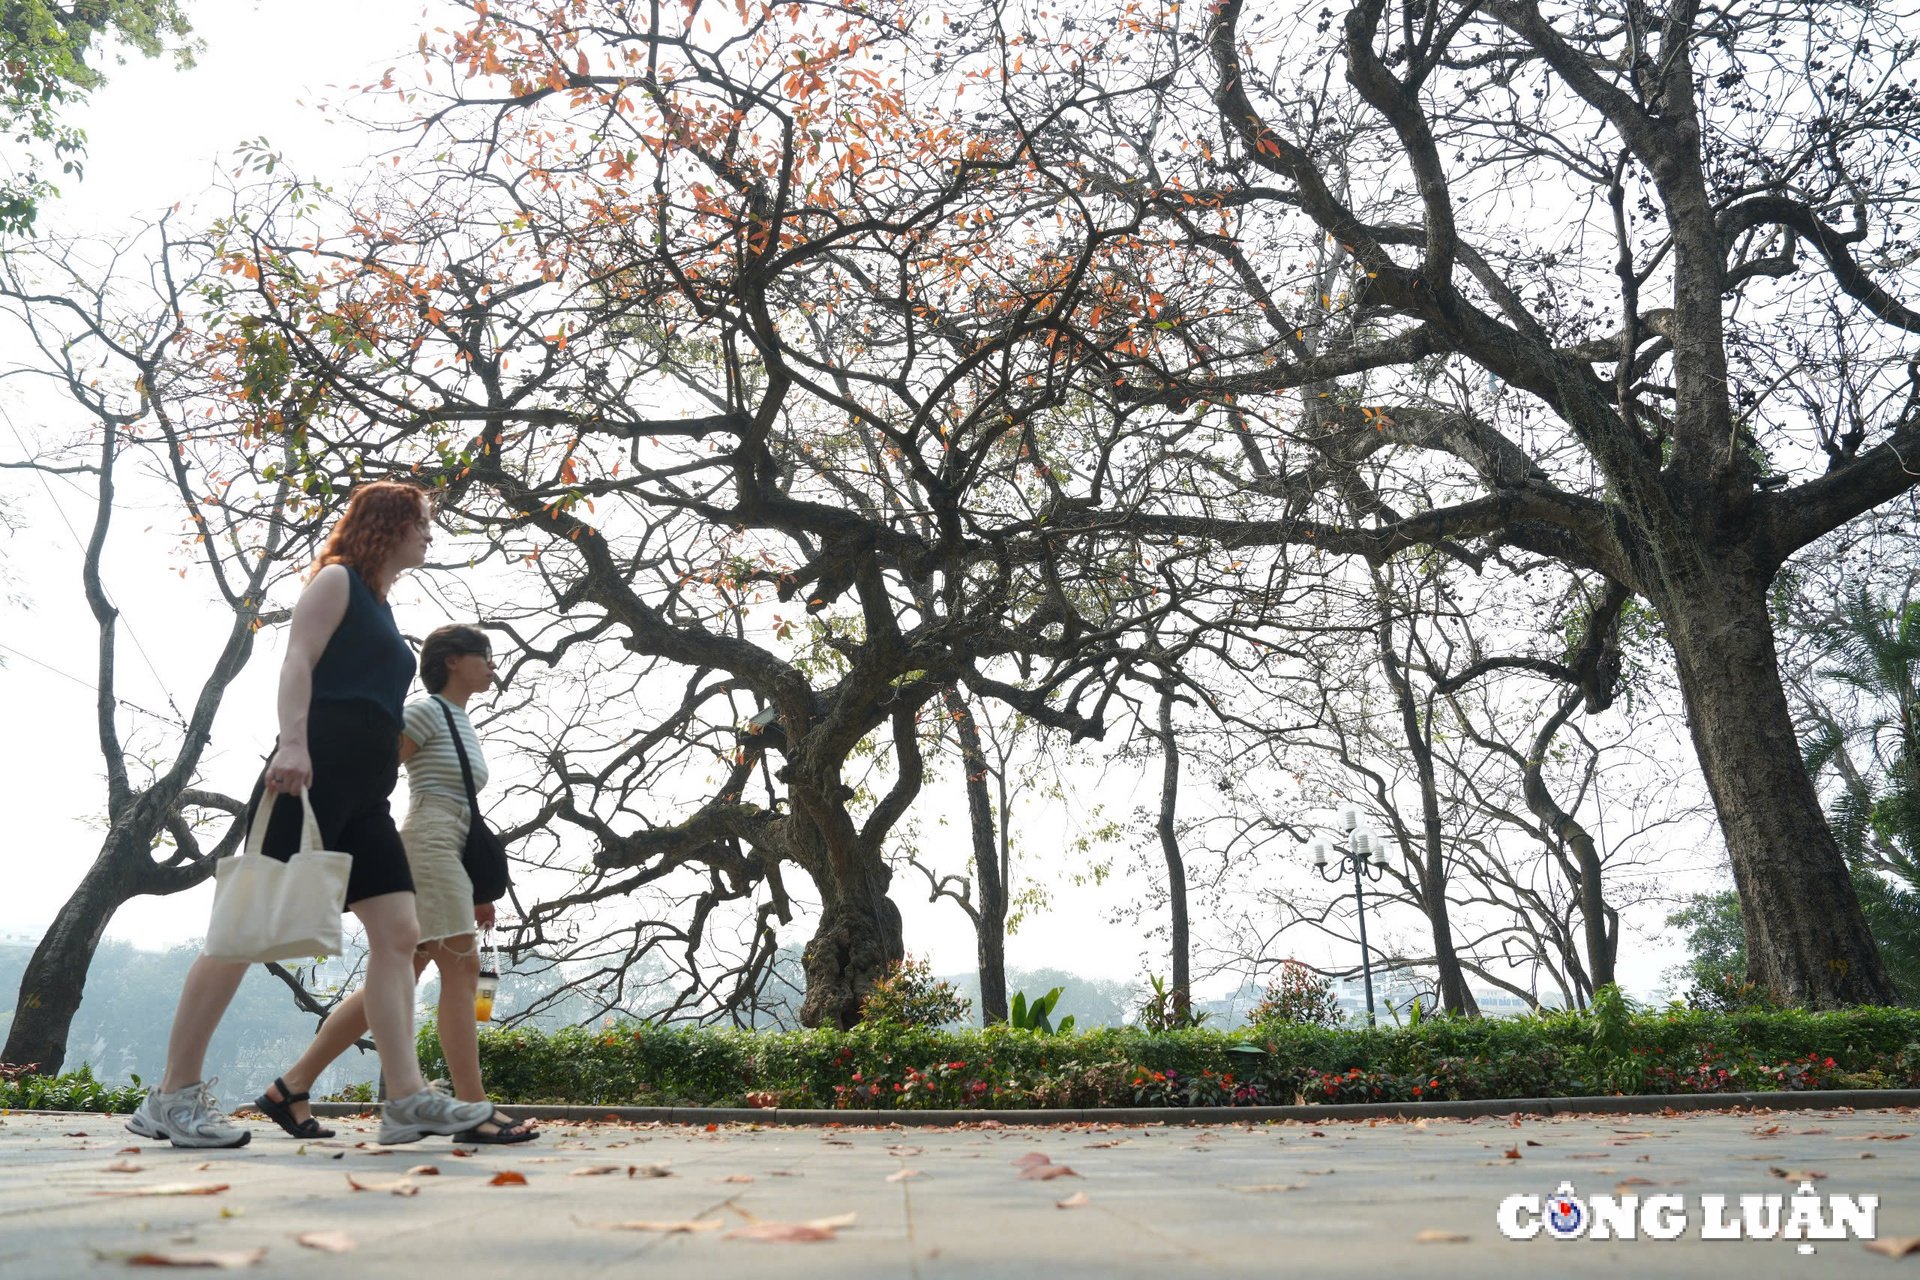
(1807, 939)
(1181, 987)
(990, 915)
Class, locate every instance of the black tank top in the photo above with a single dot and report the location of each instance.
(367, 659)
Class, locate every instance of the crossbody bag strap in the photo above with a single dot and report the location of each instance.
(466, 769)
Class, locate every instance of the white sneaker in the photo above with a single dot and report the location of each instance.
(187, 1117)
(431, 1110)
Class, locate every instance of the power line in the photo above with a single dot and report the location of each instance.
(26, 454)
(118, 701)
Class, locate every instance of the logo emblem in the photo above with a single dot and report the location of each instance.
(1566, 1214)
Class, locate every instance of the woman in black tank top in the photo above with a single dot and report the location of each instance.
(342, 688)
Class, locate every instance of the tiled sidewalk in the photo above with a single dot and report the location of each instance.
(1312, 1198)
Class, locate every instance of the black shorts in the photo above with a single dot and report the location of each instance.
(355, 748)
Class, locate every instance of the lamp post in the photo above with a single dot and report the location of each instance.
(1363, 855)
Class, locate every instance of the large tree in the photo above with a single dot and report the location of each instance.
(109, 329)
(1648, 229)
(748, 362)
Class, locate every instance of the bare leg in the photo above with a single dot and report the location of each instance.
(204, 998)
(392, 935)
(346, 1024)
(458, 960)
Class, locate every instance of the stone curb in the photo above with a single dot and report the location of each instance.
(1784, 1100)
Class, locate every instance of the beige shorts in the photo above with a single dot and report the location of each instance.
(435, 832)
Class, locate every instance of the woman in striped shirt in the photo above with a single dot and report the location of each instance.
(456, 662)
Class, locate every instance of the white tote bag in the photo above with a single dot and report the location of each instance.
(265, 909)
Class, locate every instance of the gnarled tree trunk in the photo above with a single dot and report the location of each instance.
(1807, 940)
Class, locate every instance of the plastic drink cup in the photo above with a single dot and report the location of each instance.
(483, 996)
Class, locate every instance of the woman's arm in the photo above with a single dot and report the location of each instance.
(316, 616)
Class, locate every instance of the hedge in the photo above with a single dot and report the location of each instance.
(887, 1067)
(884, 1067)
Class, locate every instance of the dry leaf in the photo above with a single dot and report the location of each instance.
(128, 1151)
(1431, 1236)
(1273, 1186)
(125, 1166)
(1795, 1175)
(1895, 1246)
(507, 1178)
(398, 1186)
(424, 1171)
(901, 1175)
(737, 1177)
(902, 1153)
(1513, 1153)
(1047, 1172)
(223, 1259)
(762, 1099)
(171, 1189)
(1075, 1201)
(458, 1151)
(594, 1171)
(791, 1232)
(648, 1171)
(665, 1227)
(326, 1241)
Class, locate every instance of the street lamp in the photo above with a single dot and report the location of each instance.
(1363, 854)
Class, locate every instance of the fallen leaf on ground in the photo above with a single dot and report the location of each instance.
(1260, 1187)
(1795, 1175)
(1431, 1236)
(736, 1177)
(171, 1189)
(901, 1175)
(77, 1133)
(125, 1166)
(1513, 1153)
(1075, 1201)
(424, 1171)
(1316, 1173)
(648, 1171)
(507, 1178)
(1874, 1137)
(128, 1151)
(223, 1259)
(326, 1241)
(901, 1153)
(1047, 1172)
(791, 1232)
(594, 1171)
(668, 1228)
(460, 1151)
(398, 1186)
(1895, 1246)
(1116, 1142)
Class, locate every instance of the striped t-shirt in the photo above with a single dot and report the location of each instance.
(435, 767)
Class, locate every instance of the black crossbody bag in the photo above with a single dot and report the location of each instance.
(484, 857)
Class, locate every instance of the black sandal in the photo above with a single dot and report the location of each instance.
(280, 1111)
(509, 1132)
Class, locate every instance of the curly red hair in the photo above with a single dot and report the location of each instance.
(378, 516)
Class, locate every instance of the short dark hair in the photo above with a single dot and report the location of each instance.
(448, 642)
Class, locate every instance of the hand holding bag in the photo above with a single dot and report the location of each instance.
(484, 856)
(265, 909)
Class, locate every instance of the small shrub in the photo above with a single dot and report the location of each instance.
(76, 1090)
(1161, 1012)
(1298, 997)
(910, 996)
